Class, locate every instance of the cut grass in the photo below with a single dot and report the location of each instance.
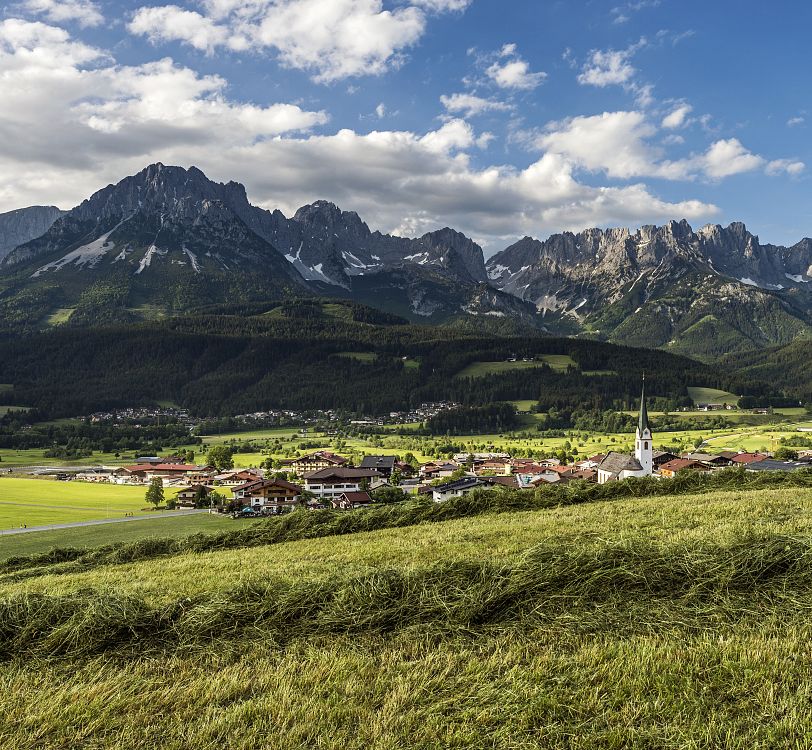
(651, 623)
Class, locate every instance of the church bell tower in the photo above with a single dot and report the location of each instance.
(643, 446)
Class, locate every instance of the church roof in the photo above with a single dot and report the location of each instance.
(642, 422)
(617, 462)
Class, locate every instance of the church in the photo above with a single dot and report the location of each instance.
(620, 466)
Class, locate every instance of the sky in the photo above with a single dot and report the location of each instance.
(500, 118)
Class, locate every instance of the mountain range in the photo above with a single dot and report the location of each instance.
(168, 240)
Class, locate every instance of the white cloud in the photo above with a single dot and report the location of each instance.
(171, 23)
(515, 74)
(794, 121)
(677, 118)
(728, 157)
(380, 111)
(607, 68)
(83, 12)
(620, 145)
(470, 105)
(623, 13)
(443, 6)
(789, 166)
(112, 120)
(330, 39)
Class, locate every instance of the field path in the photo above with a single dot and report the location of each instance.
(55, 526)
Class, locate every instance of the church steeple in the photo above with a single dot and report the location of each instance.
(642, 422)
(643, 444)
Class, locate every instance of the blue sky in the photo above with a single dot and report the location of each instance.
(498, 118)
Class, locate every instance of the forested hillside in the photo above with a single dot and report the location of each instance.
(328, 357)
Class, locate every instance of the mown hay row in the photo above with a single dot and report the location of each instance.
(692, 581)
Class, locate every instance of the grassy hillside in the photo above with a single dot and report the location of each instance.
(659, 622)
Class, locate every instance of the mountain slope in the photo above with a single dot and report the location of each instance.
(707, 292)
(25, 224)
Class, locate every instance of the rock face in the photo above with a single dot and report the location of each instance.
(169, 238)
(665, 286)
(25, 224)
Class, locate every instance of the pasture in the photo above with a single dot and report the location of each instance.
(39, 502)
(712, 396)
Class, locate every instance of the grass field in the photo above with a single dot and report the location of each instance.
(669, 622)
(38, 502)
(167, 525)
(359, 356)
(712, 396)
(59, 316)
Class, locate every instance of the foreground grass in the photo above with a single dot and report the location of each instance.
(502, 538)
(656, 622)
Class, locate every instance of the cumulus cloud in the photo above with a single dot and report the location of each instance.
(171, 23)
(678, 117)
(83, 12)
(331, 39)
(619, 144)
(795, 121)
(513, 72)
(607, 68)
(114, 119)
(470, 105)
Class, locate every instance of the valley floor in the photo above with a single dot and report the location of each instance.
(666, 622)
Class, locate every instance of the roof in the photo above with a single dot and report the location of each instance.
(357, 497)
(262, 483)
(748, 458)
(772, 465)
(461, 484)
(378, 462)
(680, 464)
(176, 467)
(340, 472)
(332, 458)
(615, 462)
(504, 481)
(642, 422)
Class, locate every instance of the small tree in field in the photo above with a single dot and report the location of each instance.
(221, 457)
(155, 492)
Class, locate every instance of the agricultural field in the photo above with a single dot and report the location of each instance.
(661, 622)
(162, 525)
(40, 502)
(712, 396)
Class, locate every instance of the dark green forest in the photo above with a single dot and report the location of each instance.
(227, 361)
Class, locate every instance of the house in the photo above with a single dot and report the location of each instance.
(237, 478)
(410, 486)
(384, 465)
(314, 462)
(459, 488)
(352, 500)
(332, 483)
(494, 468)
(714, 459)
(662, 457)
(188, 496)
(672, 468)
(94, 475)
(277, 495)
(744, 459)
(616, 466)
(434, 470)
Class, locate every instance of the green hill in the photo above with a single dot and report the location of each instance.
(666, 621)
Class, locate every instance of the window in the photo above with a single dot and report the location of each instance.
(645, 446)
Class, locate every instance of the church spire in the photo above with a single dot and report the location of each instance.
(642, 424)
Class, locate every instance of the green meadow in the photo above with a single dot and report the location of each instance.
(40, 502)
(638, 622)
